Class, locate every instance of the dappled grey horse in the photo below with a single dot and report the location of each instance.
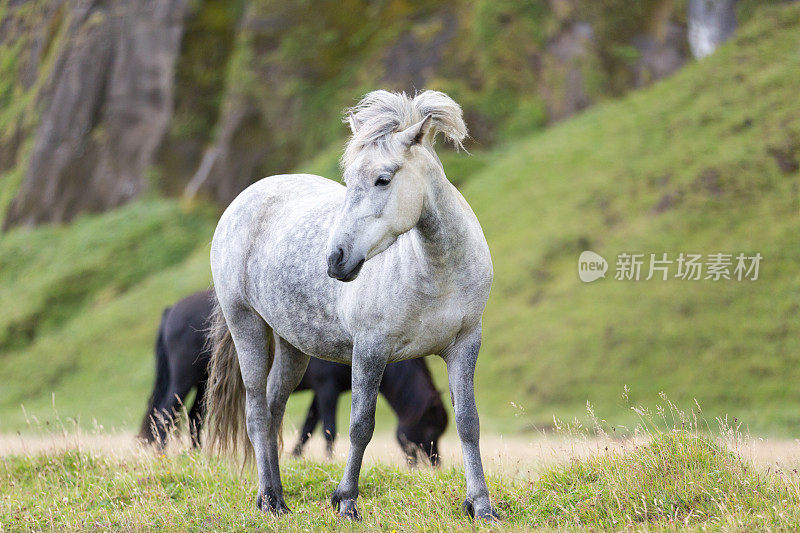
(419, 273)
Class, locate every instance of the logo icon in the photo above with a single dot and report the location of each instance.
(591, 266)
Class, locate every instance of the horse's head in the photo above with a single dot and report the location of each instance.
(387, 165)
(423, 436)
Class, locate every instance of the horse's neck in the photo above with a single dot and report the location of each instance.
(446, 229)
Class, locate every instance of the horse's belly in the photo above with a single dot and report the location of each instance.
(322, 338)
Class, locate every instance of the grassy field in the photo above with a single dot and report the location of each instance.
(702, 162)
(669, 476)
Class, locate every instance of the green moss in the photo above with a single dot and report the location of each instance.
(19, 113)
(208, 42)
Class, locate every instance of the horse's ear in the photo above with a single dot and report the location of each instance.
(416, 133)
(353, 122)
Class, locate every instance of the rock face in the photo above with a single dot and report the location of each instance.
(415, 59)
(659, 56)
(567, 52)
(249, 129)
(711, 23)
(254, 134)
(108, 104)
(234, 160)
(204, 97)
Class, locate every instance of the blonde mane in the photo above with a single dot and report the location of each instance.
(381, 113)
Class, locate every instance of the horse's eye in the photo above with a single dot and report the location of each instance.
(383, 180)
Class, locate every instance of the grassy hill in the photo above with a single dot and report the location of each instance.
(704, 162)
(692, 165)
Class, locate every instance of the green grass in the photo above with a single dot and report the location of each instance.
(687, 165)
(82, 303)
(671, 477)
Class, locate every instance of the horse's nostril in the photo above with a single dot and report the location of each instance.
(336, 260)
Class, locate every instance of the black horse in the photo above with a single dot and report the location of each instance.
(182, 359)
(407, 386)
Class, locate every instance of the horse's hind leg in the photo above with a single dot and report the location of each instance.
(169, 409)
(267, 387)
(197, 413)
(287, 371)
(251, 337)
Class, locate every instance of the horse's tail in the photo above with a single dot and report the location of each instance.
(147, 431)
(225, 392)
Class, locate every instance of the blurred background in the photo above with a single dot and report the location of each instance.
(654, 126)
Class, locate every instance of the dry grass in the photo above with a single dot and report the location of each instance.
(514, 456)
(666, 473)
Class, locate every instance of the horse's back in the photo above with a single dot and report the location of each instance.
(271, 195)
(264, 210)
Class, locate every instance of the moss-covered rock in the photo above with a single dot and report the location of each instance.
(107, 105)
(102, 102)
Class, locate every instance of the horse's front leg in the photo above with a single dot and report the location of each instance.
(327, 399)
(369, 361)
(461, 358)
(308, 427)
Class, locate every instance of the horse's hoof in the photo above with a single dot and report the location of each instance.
(346, 507)
(273, 504)
(489, 515)
(349, 510)
(281, 508)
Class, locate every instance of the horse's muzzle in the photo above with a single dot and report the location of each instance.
(338, 266)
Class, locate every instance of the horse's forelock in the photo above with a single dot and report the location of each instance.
(381, 113)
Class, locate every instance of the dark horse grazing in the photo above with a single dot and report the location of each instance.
(182, 361)
(181, 365)
(407, 386)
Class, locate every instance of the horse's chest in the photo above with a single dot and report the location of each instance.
(419, 324)
(428, 333)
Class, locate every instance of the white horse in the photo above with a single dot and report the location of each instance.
(418, 270)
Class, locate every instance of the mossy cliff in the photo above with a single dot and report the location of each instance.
(105, 101)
